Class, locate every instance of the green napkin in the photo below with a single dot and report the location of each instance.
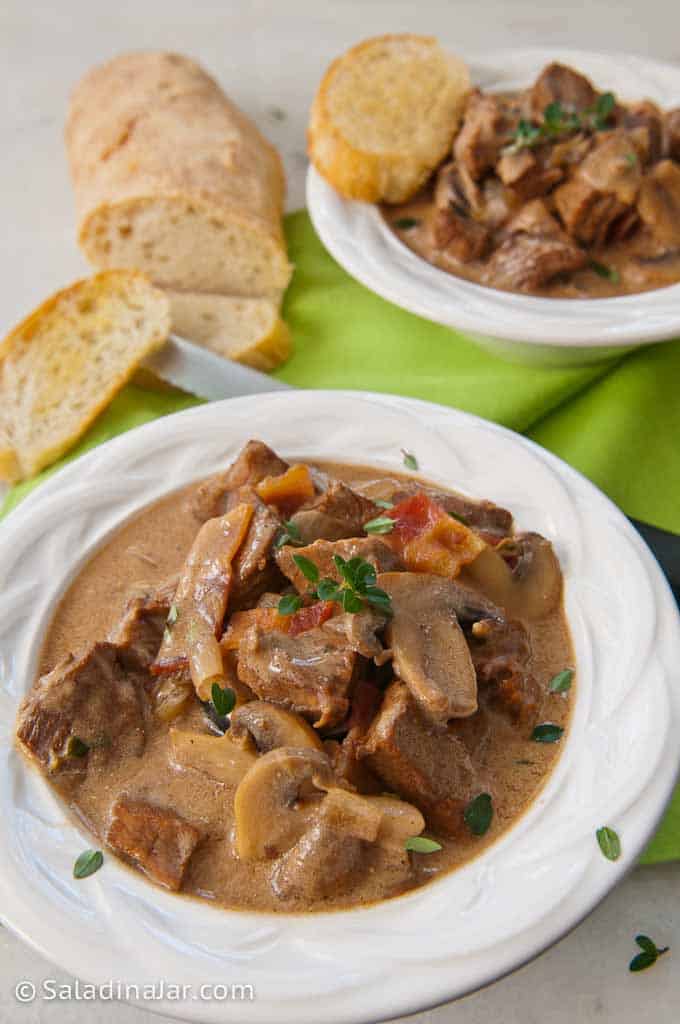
(618, 421)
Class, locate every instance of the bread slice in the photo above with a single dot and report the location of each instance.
(250, 331)
(64, 363)
(385, 115)
(171, 178)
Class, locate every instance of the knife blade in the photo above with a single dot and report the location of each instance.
(665, 547)
(201, 372)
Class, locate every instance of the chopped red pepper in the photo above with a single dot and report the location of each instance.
(310, 616)
(428, 539)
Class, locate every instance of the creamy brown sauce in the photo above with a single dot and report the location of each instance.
(148, 549)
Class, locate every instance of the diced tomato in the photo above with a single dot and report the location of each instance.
(288, 491)
(311, 616)
(430, 540)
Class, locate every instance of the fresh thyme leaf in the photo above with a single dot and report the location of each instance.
(381, 524)
(351, 602)
(458, 518)
(525, 136)
(561, 683)
(381, 503)
(289, 604)
(547, 733)
(410, 461)
(649, 955)
(609, 843)
(364, 575)
(173, 615)
(277, 113)
(76, 747)
(223, 699)
(421, 844)
(604, 108)
(290, 534)
(379, 599)
(307, 568)
(405, 223)
(478, 814)
(327, 590)
(631, 159)
(602, 270)
(87, 863)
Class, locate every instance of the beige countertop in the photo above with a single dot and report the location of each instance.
(269, 56)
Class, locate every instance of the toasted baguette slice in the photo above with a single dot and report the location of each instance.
(250, 331)
(385, 115)
(64, 363)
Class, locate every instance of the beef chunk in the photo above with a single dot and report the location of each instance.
(313, 525)
(534, 218)
(673, 134)
(527, 174)
(481, 136)
(659, 203)
(321, 554)
(339, 504)
(558, 83)
(428, 766)
(527, 262)
(255, 462)
(139, 633)
(501, 654)
(358, 630)
(311, 673)
(643, 123)
(91, 697)
(318, 865)
(255, 571)
(602, 190)
(458, 236)
(157, 839)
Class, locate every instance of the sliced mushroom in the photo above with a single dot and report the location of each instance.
(398, 820)
(430, 652)
(265, 727)
(522, 575)
(216, 756)
(276, 800)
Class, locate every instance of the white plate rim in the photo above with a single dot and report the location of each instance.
(358, 239)
(135, 460)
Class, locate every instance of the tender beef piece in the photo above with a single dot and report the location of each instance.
(458, 236)
(526, 262)
(482, 135)
(490, 521)
(139, 632)
(672, 120)
(321, 554)
(91, 697)
(254, 568)
(497, 203)
(426, 765)
(455, 190)
(319, 865)
(570, 151)
(558, 83)
(534, 218)
(644, 123)
(659, 203)
(358, 630)
(156, 838)
(527, 174)
(501, 654)
(430, 653)
(311, 673)
(313, 525)
(255, 462)
(601, 190)
(341, 503)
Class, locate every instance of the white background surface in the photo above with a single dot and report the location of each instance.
(269, 56)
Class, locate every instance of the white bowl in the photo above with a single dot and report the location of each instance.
(617, 766)
(520, 328)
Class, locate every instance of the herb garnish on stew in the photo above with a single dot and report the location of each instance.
(87, 863)
(649, 955)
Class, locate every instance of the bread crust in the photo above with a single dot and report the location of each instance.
(356, 171)
(151, 126)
